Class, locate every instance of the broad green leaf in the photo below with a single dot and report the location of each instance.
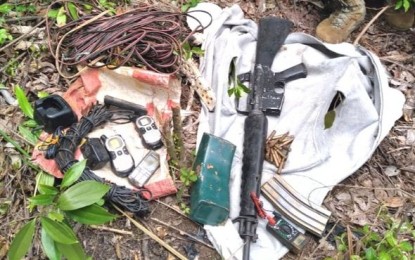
(329, 119)
(42, 199)
(390, 238)
(91, 215)
(61, 17)
(22, 241)
(370, 254)
(45, 189)
(5, 8)
(73, 174)
(73, 11)
(24, 104)
(405, 246)
(100, 202)
(57, 216)
(28, 135)
(30, 123)
(383, 255)
(53, 13)
(82, 194)
(406, 5)
(72, 252)
(43, 178)
(59, 232)
(49, 246)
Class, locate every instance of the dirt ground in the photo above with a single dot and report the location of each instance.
(385, 181)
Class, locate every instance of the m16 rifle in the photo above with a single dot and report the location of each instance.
(267, 96)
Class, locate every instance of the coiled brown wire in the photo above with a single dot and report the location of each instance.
(142, 37)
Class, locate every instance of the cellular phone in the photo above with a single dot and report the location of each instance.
(149, 133)
(145, 169)
(121, 160)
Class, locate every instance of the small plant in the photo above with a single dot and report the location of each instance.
(188, 176)
(108, 5)
(238, 89)
(405, 4)
(72, 201)
(189, 4)
(189, 50)
(5, 36)
(394, 243)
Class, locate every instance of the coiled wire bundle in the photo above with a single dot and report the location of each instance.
(68, 142)
(142, 37)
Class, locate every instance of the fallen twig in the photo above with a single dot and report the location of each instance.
(183, 233)
(151, 234)
(356, 41)
(118, 231)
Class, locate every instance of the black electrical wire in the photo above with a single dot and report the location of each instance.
(69, 141)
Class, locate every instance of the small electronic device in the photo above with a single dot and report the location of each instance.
(149, 133)
(53, 111)
(121, 160)
(95, 153)
(287, 234)
(145, 169)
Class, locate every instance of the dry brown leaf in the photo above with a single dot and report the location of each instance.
(343, 196)
(161, 232)
(392, 170)
(394, 202)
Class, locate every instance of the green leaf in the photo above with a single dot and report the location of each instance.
(53, 13)
(383, 255)
(22, 241)
(5, 8)
(44, 179)
(73, 11)
(45, 189)
(42, 199)
(61, 17)
(406, 5)
(73, 174)
(28, 135)
(370, 254)
(329, 119)
(24, 104)
(405, 246)
(30, 123)
(91, 215)
(59, 232)
(57, 216)
(72, 252)
(42, 94)
(49, 246)
(390, 238)
(82, 194)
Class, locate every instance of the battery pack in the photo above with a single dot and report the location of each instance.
(209, 202)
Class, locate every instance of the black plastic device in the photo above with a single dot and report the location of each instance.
(53, 111)
(145, 169)
(287, 234)
(121, 160)
(95, 153)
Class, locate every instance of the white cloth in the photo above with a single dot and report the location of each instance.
(319, 157)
